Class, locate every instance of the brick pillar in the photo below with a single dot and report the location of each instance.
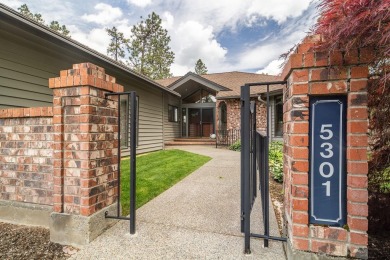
(85, 153)
(311, 73)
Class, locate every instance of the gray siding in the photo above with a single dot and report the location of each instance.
(27, 62)
(23, 76)
(171, 129)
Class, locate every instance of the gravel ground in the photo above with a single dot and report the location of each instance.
(23, 242)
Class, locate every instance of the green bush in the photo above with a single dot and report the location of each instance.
(276, 160)
(236, 146)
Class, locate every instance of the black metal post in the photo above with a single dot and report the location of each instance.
(245, 160)
(254, 182)
(118, 210)
(266, 179)
(133, 135)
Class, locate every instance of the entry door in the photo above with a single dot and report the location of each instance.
(194, 122)
(200, 122)
(207, 122)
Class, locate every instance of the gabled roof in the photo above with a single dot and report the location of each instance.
(199, 79)
(230, 80)
(10, 15)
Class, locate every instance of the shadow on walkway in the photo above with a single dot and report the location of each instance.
(198, 218)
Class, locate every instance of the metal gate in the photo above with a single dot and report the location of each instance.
(132, 112)
(254, 160)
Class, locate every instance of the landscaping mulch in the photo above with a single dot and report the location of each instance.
(24, 242)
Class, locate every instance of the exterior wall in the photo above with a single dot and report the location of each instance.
(318, 73)
(233, 107)
(24, 73)
(171, 129)
(26, 155)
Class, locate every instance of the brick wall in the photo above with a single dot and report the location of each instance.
(320, 73)
(26, 164)
(65, 155)
(233, 107)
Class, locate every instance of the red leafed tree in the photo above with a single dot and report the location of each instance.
(351, 24)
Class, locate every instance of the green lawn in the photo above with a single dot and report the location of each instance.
(156, 172)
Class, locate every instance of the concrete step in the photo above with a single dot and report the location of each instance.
(202, 140)
(189, 143)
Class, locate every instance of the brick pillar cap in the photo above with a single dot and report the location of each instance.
(85, 74)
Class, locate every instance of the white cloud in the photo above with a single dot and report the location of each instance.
(273, 68)
(106, 14)
(192, 41)
(278, 10)
(96, 38)
(140, 3)
(195, 27)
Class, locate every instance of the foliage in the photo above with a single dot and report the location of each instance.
(24, 10)
(236, 146)
(149, 49)
(276, 160)
(54, 25)
(116, 48)
(200, 67)
(157, 172)
(351, 24)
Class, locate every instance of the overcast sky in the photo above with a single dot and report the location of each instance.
(228, 35)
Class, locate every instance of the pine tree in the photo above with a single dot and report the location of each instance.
(54, 25)
(116, 49)
(24, 10)
(200, 67)
(149, 49)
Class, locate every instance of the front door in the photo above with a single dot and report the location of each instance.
(200, 122)
(194, 122)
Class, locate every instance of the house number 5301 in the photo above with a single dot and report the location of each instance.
(326, 168)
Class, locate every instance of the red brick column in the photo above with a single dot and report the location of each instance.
(321, 73)
(85, 140)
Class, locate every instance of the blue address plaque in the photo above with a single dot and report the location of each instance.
(327, 160)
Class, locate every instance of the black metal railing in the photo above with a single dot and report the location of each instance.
(227, 137)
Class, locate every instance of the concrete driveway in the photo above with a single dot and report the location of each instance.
(198, 218)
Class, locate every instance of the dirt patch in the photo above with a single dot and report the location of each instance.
(277, 197)
(23, 242)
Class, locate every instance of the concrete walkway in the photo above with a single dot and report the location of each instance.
(198, 218)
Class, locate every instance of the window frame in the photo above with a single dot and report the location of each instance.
(173, 118)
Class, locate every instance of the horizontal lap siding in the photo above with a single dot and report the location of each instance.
(171, 129)
(27, 64)
(24, 74)
(150, 137)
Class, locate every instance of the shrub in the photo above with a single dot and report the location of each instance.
(236, 146)
(276, 160)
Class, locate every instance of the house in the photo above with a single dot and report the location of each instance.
(188, 106)
(210, 103)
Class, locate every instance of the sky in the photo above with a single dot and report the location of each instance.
(228, 35)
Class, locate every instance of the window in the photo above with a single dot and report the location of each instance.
(278, 116)
(125, 121)
(222, 116)
(172, 113)
(200, 96)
